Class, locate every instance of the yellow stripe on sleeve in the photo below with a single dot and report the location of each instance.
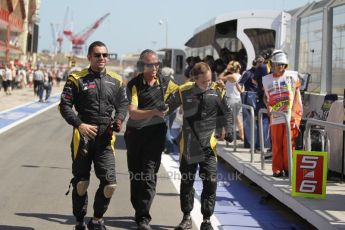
(76, 141)
(112, 143)
(134, 96)
(213, 144)
(172, 88)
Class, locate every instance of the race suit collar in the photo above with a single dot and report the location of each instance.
(146, 83)
(197, 90)
(97, 74)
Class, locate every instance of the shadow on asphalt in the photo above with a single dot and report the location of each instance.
(127, 222)
(57, 218)
(124, 222)
(41, 166)
(6, 227)
(167, 194)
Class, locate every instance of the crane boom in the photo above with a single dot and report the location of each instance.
(62, 31)
(54, 34)
(80, 38)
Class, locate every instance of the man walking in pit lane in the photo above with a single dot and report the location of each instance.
(95, 94)
(145, 133)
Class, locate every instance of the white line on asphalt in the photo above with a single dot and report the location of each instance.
(171, 166)
(28, 117)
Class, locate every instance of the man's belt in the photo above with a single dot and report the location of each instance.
(96, 120)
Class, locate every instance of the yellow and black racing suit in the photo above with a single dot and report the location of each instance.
(95, 96)
(202, 112)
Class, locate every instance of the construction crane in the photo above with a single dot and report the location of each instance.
(54, 28)
(78, 40)
(62, 30)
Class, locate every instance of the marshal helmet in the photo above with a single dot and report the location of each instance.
(279, 56)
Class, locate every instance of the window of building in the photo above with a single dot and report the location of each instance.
(310, 49)
(262, 39)
(338, 50)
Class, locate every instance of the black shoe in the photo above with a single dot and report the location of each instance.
(144, 224)
(80, 227)
(278, 174)
(286, 173)
(206, 225)
(186, 223)
(96, 226)
(256, 150)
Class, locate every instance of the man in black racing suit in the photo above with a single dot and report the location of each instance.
(95, 94)
(204, 107)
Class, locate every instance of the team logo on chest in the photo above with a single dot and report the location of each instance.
(212, 95)
(191, 99)
(89, 85)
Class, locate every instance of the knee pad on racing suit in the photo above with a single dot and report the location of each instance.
(108, 190)
(82, 187)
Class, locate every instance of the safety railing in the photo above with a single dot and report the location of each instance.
(288, 138)
(323, 138)
(252, 123)
(307, 139)
(308, 126)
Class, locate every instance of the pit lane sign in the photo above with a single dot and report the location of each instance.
(309, 177)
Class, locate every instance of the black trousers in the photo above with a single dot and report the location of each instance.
(144, 150)
(100, 151)
(208, 175)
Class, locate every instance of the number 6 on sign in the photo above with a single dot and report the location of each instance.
(309, 174)
(308, 186)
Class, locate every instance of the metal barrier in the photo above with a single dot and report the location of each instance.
(310, 122)
(252, 123)
(324, 138)
(288, 138)
(307, 140)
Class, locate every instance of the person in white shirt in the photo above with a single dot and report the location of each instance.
(282, 95)
(231, 77)
(38, 83)
(8, 80)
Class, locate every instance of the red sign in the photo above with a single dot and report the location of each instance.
(309, 174)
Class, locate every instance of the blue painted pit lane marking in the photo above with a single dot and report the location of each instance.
(15, 116)
(237, 205)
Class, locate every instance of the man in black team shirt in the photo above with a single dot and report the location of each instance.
(145, 132)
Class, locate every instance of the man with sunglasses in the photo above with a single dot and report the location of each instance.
(282, 95)
(145, 132)
(96, 94)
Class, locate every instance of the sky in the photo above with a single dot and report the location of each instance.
(134, 25)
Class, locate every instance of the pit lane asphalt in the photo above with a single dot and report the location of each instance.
(35, 170)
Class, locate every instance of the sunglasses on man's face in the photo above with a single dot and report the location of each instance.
(98, 55)
(151, 65)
